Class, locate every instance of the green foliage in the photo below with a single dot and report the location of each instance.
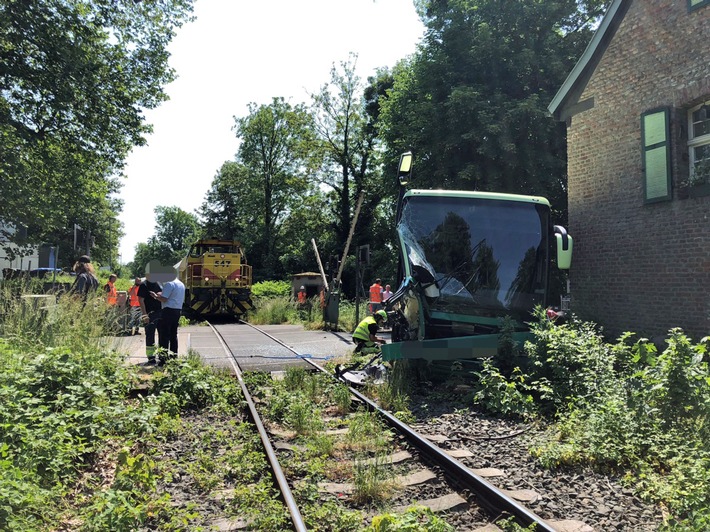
(264, 290)
(175, 231)
(373, 480)
(628, 408)
(414, 519)
(302, 416)
(76, 80)
(511, 525)
(366, 432)
(274, 311)
(345, 127)
(259, 503)
(130, 501)
(61, 397)
(509, 396)
(342, 397)
(331, 515)
(196, 385)
(478, 87)
(573, 359)
(276, 142)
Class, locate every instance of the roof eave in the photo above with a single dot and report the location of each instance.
(574, 85)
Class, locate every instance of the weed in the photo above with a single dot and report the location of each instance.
(302, 417)
(342, 398)
(372, 479)
(366, 432)
(416, 518)
(501, 395)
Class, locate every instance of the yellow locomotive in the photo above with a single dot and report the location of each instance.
(217, 279)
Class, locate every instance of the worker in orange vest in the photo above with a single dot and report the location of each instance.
(110, 289)
(135, 304)
(302, 296)
(376, 296)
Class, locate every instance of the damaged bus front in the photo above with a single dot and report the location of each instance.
(468, 261)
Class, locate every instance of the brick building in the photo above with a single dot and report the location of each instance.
(637, 109)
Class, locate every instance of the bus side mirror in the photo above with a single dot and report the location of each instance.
(405, 168)
(564, 248)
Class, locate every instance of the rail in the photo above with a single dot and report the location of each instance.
(289, 500)
(489, 495)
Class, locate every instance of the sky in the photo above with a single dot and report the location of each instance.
(234, 53)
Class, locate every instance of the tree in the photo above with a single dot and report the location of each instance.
(346, 113)
(75, 77)
(230, 206)
(471, 103)
(349, 143)
(275, 150)
(175, 231)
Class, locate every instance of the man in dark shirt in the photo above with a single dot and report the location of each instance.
(150, 311)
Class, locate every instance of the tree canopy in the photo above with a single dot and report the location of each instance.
(472, 102)
(175, 232)
(75, 79)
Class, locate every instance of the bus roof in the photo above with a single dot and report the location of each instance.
(476, 195)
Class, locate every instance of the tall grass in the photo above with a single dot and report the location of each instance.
(34, 321)
(59, 389)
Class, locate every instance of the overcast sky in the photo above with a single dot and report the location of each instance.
(237, 52)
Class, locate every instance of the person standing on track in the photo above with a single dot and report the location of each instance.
(172, 298)
(150, 314)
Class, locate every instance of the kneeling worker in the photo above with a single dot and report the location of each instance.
(365, 335)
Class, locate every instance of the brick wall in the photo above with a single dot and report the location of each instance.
(641, 267)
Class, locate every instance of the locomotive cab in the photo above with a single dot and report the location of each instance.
(217, 279)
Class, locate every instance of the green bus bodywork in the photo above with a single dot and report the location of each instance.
(470, 261)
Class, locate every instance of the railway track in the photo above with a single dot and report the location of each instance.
(445, 483)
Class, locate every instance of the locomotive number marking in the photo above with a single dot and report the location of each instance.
(222, 262)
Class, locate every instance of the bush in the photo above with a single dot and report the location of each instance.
(626, 408)
(573, 358)
(271, 289)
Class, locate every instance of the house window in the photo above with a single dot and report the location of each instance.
(699, 144)
(655, 136)
(694, 4)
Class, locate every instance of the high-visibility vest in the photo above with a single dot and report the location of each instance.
(133, 296)
(362, 332)
(112, 297)
(376, 293)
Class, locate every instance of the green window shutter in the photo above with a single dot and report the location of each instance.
(655, 139)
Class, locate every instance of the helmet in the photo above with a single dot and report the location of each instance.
(381, 314)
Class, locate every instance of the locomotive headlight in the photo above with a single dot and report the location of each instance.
(221, 256)
(207, 279)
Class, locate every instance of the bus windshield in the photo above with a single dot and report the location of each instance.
(487, 257)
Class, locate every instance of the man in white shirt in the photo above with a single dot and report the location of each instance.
(172, 298)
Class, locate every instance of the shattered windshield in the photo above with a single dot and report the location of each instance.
(487, 257)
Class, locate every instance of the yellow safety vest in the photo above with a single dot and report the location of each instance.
(362, 332)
